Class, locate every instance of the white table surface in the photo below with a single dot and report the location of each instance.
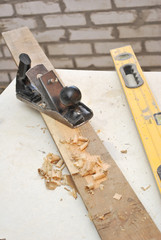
(29, 211)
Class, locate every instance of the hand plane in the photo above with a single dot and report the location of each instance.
(43, 90)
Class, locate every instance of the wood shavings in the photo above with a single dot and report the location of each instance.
(106, 167)
(75, 139)
(62, 141)
(124, 151)
(83, 139)
(62, 167)
(91, 167)
(52, 158)
(101, 217)
(91, 191)
(117, 196)
(41, 172)
(60, 163)
(104, 216)
(90, 186)
(146, 188)
(56, 174)
(73, 193)
(79, 164)
(83, 146)
(99, 175)
(69, 181)
(51, 185)
(99, 161)
(101, 186)
(88, 168)
(53, 176)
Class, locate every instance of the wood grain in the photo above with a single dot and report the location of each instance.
(124, 219)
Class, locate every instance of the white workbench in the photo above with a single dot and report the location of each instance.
(28, 210)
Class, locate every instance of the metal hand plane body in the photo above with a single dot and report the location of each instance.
(43, 90)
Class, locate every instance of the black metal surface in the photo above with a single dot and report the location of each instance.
(157, 117)
(159, 171)
(70, 96)
(44, 91)
(75, 112)
(23, 84)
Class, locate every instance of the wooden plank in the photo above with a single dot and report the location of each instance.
(124, 219)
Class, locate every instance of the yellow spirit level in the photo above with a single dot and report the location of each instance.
(143, 106)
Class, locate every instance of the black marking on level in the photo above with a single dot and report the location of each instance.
(159, 171)
(157, 117)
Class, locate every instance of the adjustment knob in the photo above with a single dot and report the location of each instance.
(70, 96)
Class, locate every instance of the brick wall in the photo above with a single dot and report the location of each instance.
(78, 34)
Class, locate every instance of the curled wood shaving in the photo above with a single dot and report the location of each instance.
(56, 174)
(53, 176)
(90, 186)
(41, 172)
(67, 189)
(101, 217)
(62, 141)
(91, 191)
(84, 146)
(99, 175)
(106, 167)
(88, 168)
(73, 193)
(51, 185)
(62, 167)
(75, 139)
(99, 161)
(83, 139)
(124, 151)
(60, 163)
(53, 158)
(58, 182)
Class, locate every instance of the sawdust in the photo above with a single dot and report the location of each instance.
(51, 172)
